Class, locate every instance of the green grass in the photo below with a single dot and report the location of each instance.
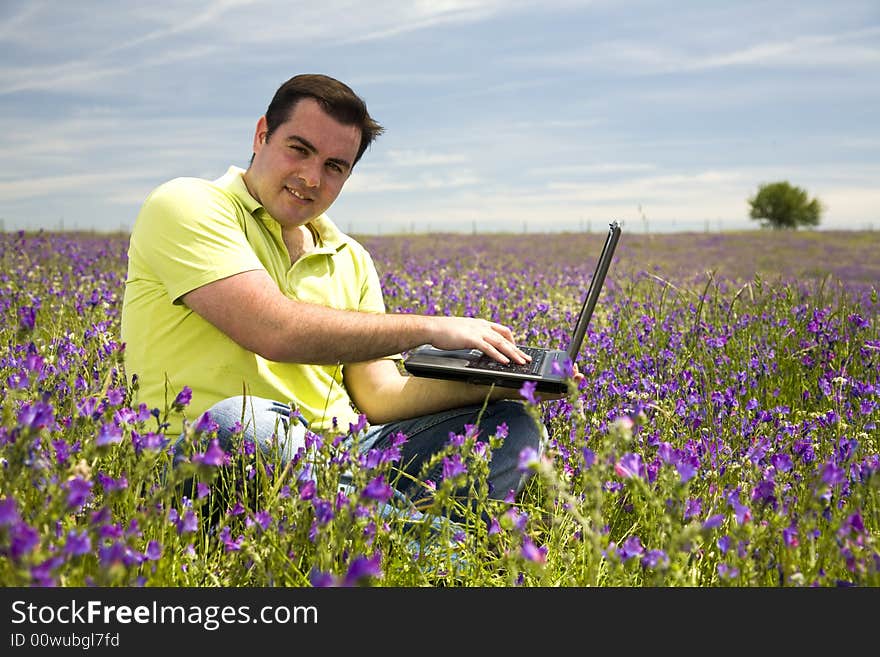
(725, 435)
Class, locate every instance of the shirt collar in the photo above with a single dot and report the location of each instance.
(332, 239)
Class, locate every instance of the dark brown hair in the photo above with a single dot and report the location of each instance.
(337, 99)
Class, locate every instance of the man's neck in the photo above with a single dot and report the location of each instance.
(299, 240)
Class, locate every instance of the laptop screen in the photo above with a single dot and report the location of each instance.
(592, 297)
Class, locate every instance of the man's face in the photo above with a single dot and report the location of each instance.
(299, 171)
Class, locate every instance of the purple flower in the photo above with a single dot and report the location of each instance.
(666, 452)
(453, 467)
(685, 470)
(781, 462)
(528, 459)
(362, 568)
(230, 544)
(632, 547)
(630, 466)
(77, 543)
(23, 539)
(213, 456)
(27, 318)
(527, 392)
(359, 426)
(765, 492)
(693, 508)
(41, 574)
(8, 511)
(713, 521)
(118, 553)
(90, 407)
(307, 489)
(39, 415)
(188, 523)
(589, 457)
(154, 551)
(832, 475)
(323, 511)
(150, 441)
(728, 572)
(518, 519)
(655, 558)
(78, 491)
(743, 513)
(531, 552)
(853, 524)
(183, 398)
(110, 484)
(320, 579)
(206, 424)
(62, 451)
(378, 490)
(109, 434)
(564, 369)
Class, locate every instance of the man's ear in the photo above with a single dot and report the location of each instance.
(260, 134)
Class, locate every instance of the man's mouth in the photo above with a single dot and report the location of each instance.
(297, 195)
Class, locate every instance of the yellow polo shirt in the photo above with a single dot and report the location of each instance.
(190, 232)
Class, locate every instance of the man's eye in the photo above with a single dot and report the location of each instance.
(335, 167)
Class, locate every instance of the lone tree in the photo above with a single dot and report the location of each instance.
(781, 205)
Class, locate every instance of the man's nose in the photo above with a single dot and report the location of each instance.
(310, 173)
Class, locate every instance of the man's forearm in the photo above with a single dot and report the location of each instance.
(250, 309)
(321, 335)
(384, 394)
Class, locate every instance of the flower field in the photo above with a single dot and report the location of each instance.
(725, 433)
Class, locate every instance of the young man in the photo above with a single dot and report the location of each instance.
(243, 290)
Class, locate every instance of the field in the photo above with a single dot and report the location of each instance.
(725, 433)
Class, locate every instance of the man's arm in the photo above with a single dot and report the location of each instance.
(252, 311)
(384, 394)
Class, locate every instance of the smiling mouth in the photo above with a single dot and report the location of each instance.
(297, 195)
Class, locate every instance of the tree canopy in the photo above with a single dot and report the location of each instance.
(782, 205)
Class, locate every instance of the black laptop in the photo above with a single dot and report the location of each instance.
(473, 366)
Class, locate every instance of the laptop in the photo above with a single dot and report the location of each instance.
(547, 366)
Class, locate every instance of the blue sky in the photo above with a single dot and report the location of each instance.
(499, 115)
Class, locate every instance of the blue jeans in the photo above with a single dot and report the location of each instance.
(269, 425)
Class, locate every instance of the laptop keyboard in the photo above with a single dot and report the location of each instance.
(533, 367)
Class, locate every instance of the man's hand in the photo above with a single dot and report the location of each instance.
(493, 339)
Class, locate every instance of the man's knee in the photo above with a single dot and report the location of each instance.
(522, 429)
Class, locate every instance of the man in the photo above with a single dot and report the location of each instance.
(243, 290)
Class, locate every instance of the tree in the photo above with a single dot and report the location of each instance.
(781, 205)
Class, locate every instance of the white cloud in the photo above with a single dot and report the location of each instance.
(57, 186)
(848, 49)
(370, 182)
(421, 158)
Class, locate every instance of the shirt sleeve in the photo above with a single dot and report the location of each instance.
(190, 233)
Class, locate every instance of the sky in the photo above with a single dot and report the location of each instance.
(500, 115)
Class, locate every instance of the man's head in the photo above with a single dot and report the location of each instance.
(305, 147)
(336, 98)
